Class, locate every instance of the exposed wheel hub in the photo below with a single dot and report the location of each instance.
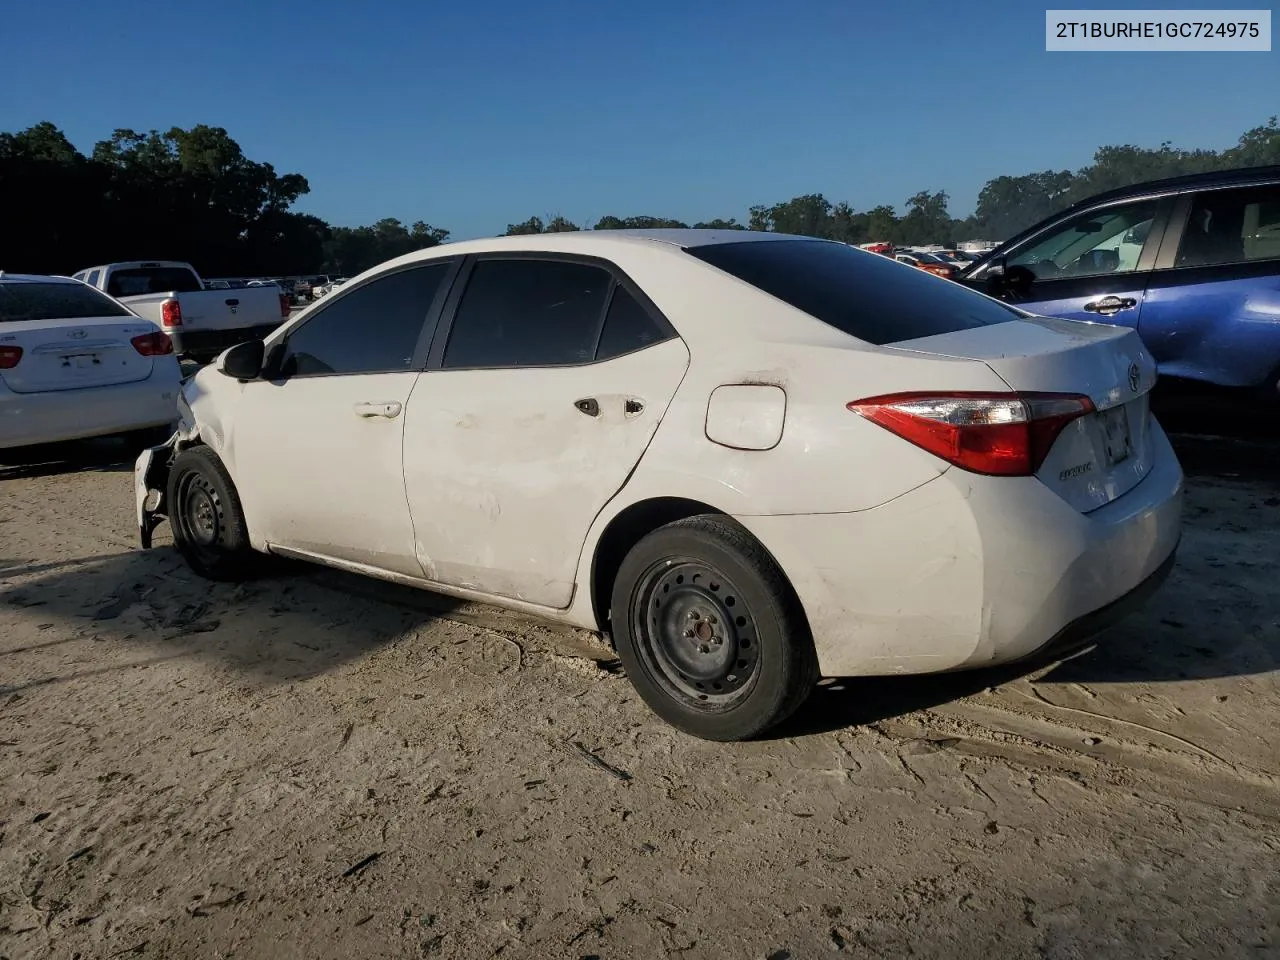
(201, 511)
(696, 630)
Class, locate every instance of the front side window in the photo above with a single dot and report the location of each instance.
(54, 301)
(1097, 243)
(528, 313)
(373, 329)
(1232, 226)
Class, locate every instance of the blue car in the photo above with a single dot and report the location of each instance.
(1192, 263)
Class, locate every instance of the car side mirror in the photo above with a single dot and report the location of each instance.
(1018, 280)
(994, 277)
(243, 361)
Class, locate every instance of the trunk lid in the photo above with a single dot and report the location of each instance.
(71, 354)
(1102, 455)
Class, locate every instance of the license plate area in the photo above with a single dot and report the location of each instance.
(1117, 441)
(80, 361)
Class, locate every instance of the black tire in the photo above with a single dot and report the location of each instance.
(207, 520)
(710, 631)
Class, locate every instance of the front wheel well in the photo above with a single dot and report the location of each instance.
(624, 532)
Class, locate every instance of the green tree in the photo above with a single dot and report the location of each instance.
(638, 223)
(532, 225)
(719, 224)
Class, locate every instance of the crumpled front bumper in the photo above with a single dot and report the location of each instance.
(150, 480)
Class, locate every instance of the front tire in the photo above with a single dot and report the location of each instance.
(710, 631)
(208, 523)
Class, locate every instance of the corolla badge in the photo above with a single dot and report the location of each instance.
(1135, 377)
(78, 334)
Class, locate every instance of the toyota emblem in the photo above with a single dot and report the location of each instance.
(78, 334)
(1135, 377)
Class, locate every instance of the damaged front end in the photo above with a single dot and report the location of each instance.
(151, 472)
(150, 481)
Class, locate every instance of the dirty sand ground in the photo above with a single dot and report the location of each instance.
(316, 766)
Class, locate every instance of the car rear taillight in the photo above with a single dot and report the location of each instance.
(285, 306)
(998, 434)
(171, 313)
(153, 344)
(9, 357)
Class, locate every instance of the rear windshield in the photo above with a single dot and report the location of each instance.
(137, 281)
(866, 295)
(54, 301)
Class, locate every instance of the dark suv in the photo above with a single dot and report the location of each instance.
(1192, 263)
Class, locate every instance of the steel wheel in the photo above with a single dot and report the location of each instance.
(695, 633)
(200, 513)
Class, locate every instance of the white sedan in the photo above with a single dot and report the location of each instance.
(75, 363)
(749, 459)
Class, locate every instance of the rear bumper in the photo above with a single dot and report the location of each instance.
(57, 415)
(1077, 634)
(968, 571)
(210, 343)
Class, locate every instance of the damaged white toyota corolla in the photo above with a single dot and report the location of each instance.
(749, 459)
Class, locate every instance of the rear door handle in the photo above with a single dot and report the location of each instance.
(1109, 305)
(389, 409)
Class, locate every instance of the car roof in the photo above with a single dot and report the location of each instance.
(1190, 181)
(33, 278)
(590, 243)
(587, 240)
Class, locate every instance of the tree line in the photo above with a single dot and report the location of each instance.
(193, 195)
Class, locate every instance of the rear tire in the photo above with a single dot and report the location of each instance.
(710, 632)
(208, 523)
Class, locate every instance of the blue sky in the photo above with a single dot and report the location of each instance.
(473, 115)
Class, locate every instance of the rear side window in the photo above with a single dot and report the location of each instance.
(628, 326)
(373, 329)
(54, 301)
(1232, 226)
(528, 313)
(136, 281)
(866, 295)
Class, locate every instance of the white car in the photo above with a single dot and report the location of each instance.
(749, 459)
(75, 363)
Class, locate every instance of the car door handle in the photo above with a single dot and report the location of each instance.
(1109, 305)
(590, 406)
(389, 409)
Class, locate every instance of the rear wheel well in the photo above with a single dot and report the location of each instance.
(624, 532)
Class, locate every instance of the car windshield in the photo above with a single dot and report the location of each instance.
(867, 296)
(54, 301)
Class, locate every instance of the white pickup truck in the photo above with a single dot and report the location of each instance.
(202, 322)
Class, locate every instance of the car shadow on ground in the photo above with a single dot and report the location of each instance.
(295, 622)
(284, 626)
